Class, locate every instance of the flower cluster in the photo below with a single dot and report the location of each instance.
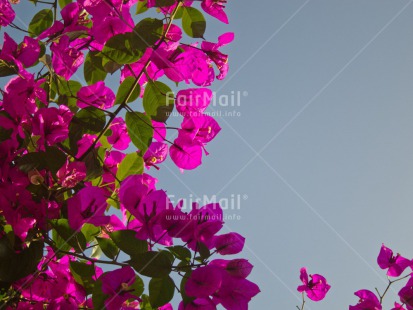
(75, 193)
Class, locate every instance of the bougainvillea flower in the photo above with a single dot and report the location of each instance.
(186, 154)
(87, 206)
(117, 285)
(177, 223)
(134, 189)
(193, 101)
(26, 53)
(156, 154)
(368, 301)
(119, 138)
(395, 264)
(147, 223)
(20, 95)
(85, 143)
(235, 293)
(7, 14)
(203, 128)
(239, 268)
(159, 131)
(52, 124)
(71, 173)
(398, 306)
(227, 244)
(220, 59)
(215, 8)
(104, 29)
(204, 281)
(406, 294)
(65, 60)
(96, 95)
(198, 304)
(316, 288)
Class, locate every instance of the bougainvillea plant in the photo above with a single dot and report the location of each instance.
(83, 223)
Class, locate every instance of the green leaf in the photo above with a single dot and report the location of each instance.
(108, 247)
(55, 159)
(163, 3)
(180, 252)
(93, 164)
(148, 31)
(98, 297)
(126, 241)
(122, 48)
(7, 68)
(125, 89)
(152, 264)
(141, 7)
(14, 266)
(193, 22)
(63, 3)
(203, 250)
(31, 161)
(90, 231)
(40, 22)
(161, 291)
(91, 119)
(76, 240)
(140, 130)
(158, 101)
(137, 286)
(93, 68)
(185, 298)
(83, 274)
(131, 164)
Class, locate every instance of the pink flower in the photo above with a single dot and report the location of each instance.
(316, 288)
(7, 14)
(193, 101)
(204, 281)
(66, 60)
(202, 128)
(227, 244)
(198, 304)
(21, 93)
(85, 143)
(406, 294)
(71, 174)
(96, 95)
(398, 306)
(215, 8)
(27, 53)
(368, 301)
(87, 206)
(185, 153)
(395, 264)
(119, 138)
(117, 285)
(52, 124)
(220, 59)
(156, 154)
(239, 268)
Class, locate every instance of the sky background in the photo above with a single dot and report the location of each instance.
(320, 150)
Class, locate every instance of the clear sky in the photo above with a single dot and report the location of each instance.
(319, 149)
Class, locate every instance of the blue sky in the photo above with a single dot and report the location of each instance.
(319, 149)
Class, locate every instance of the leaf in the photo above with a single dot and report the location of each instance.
(185, 298)
(15, 266)
(140, 130)
(93, 164)
(31, 161)
(152, 264)
(180, 252)
(93, 70)
(90, 231)
(203, 250)
(131, 164)
(141, 7)
(63, 3)
(98, 297)
(108, 247)
(158, 101)
(148, 31)
(7, 68)
(40, 22)
(55, 158)
(83, 274)
(126, 241)
(193, 22)
(161, 291)
(76, 240)
(91, 119)
(163, 3)
(122, 48)
(125, 88)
